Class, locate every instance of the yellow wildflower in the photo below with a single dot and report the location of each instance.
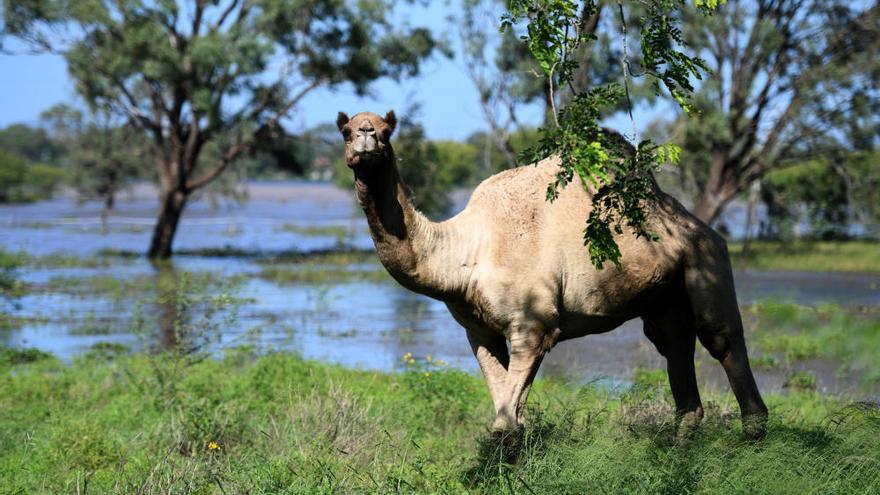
(427, 374)
(213, 446)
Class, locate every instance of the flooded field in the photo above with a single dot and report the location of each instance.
(292, 269)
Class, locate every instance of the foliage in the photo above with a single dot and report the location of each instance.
(10, 285)
(277, 424)
(432, 169)
(22, 182)
(489, 159)
(827, 192)
(33, 144)
(813, 185)
(864, 175)
(511, 82)
(600, 159)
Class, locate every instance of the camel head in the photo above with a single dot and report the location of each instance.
(367, 137)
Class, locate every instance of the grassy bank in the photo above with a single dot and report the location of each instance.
(110, 423)
(843, 256)
(787, 336)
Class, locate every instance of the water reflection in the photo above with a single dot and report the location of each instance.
(167, 282)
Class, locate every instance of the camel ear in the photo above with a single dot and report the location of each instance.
(341, 120)
(391, 120)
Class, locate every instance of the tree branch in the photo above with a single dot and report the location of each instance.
(241, 144)
(224, 15)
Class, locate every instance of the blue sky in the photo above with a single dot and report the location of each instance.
(449, 102)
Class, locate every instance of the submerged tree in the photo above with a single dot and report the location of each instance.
(197, 72)
(103, 153)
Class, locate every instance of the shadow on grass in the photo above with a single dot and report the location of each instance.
(643, 451)
(499, 454)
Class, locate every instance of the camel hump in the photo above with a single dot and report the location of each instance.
(516, 186)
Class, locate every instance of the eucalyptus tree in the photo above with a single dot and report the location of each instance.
(790, 81)
(189, 73)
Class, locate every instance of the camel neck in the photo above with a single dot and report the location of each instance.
(408, 243)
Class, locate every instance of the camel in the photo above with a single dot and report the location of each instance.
(513, 270)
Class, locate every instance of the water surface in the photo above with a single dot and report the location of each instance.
(365, 322)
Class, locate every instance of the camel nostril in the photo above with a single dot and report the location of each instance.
(366, 126)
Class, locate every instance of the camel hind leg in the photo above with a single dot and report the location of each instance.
(672, 333)
(710, 289)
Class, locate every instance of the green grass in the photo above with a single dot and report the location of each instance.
(315, 273)
(848, 256)
(324, 267)
(788, 333)
(340, 232)
(113, 423)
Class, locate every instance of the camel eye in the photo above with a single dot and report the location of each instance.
(346, 133)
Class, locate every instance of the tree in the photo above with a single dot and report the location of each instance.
(828, 192)
(190, 73)
(431, 169)
(791, 80)
(27, 170)
(31, 143)
(102, 153)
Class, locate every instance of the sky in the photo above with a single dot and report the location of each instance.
(448, 100)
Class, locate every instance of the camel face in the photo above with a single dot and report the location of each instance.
(367, 137)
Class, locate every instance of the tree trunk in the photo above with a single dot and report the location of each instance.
(719, 189)
(708, 207)
(173, 202)
(109, 201)
(549, 103)
(754, 191)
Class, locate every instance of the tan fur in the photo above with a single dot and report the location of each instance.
(512, 266)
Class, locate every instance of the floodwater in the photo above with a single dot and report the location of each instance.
(363, 322)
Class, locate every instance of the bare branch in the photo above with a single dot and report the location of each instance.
(224, 15)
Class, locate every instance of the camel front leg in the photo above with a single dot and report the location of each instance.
(490, 350)
(526, 354)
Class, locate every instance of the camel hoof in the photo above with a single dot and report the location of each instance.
(687, 426)
(508, 444)
(755, 426)
(506, 433)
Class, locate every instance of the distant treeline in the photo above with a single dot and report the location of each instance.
(97, 158)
